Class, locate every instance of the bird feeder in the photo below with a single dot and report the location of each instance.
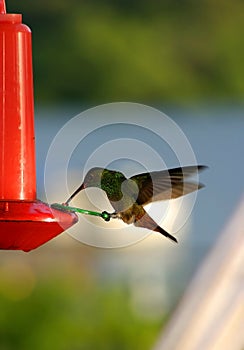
(25, 222)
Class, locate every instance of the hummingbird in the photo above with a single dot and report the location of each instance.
(128, 196)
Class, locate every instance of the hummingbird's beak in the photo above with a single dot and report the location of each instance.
(82, 187)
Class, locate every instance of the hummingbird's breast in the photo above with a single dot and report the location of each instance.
(125, 196)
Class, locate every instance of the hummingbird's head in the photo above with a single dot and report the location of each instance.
(93, 178)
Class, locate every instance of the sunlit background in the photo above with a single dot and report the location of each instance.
(184, 58)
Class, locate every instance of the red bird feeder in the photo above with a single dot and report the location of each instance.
(25, 222)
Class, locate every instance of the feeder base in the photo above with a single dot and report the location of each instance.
(26, 225)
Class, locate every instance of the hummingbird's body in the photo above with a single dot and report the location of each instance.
(128, 196)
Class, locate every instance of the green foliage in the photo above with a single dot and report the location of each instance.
(144, 51)
(71, 313)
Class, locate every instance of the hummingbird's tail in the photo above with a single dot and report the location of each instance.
(147, 222)
(165, 233)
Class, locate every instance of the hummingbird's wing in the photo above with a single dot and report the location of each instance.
(147, 222)
(166, 184)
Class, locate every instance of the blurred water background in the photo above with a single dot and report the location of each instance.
(184, 58)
